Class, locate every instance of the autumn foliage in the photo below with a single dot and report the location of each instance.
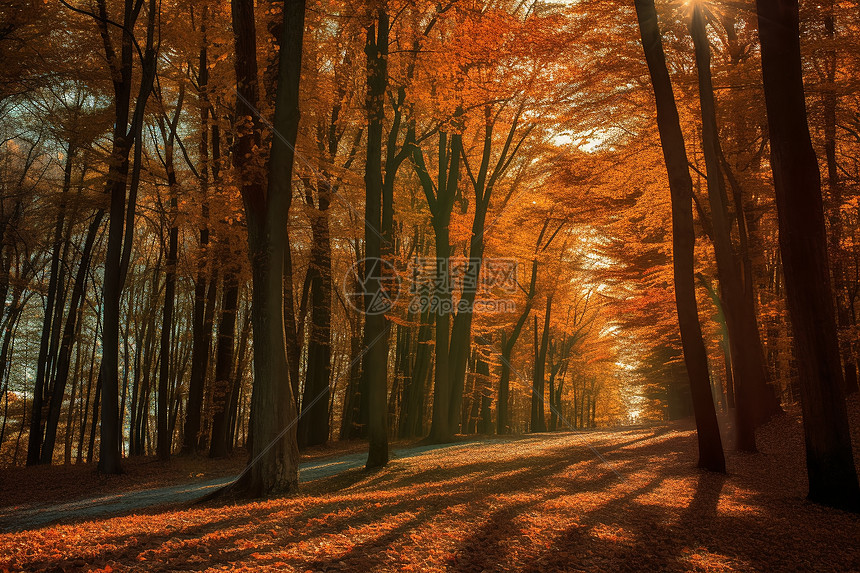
(244, 230)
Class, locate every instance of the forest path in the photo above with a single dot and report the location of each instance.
(22, 519)
(619, 499)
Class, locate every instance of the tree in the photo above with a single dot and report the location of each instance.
(802, 238)
(127, 134)
(754, 402)
(273, 465)
(168, 134)
(440, 198)
(683, 240)
(205, 281)
(376, 325)
(538, 419)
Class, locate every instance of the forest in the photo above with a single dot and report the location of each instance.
(380, 246)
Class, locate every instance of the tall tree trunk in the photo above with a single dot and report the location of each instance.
(503, 420)
(70, 415)
(440, 428)
(94, 424)
(803, 242)
(553, 405)
(483, 185)
(748, 367)
(9, 331)
(150, 364)
(508, 343)
(376, 326)
(412, 422)
(349, 424)
(440, 200)
(314, 423)
(683, 240)
(224, 367)
(834, 187)
(482, 371)
(164, 439)
(85, 407)
(293, 326)
(120, 214)
(241, 363)
(273, 465)
(538, 406)
(403, 372)
(200, 346)
(439, 301)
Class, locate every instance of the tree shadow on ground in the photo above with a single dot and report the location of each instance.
(549, 505)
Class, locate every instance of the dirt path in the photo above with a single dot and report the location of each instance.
(22, 519)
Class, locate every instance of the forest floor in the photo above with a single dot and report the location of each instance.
(67, 491)
(613, 500)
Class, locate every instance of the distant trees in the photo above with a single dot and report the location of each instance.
(168, 133)
(181, 276)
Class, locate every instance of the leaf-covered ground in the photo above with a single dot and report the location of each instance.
(602, 501)
(22, 487)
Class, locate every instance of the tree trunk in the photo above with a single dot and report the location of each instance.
(683, 240)
(412, 424)
(508, 343)
(200, 346)
(440, 430)
(483, 185)
(85, 407)
(352, 396)
(797, 180)
(238, 375)
(163, 448)
(554, 405)
(439, 301)
(314, 423)
(482, 370)
(120, 217)
(404, 353)
(9, 331)
(834, 187)
(224, 366)
(748, 369)
(273, 465)
(164, 441)
(538, 391)
(43, 369)
(293, 327)
(376, 326)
